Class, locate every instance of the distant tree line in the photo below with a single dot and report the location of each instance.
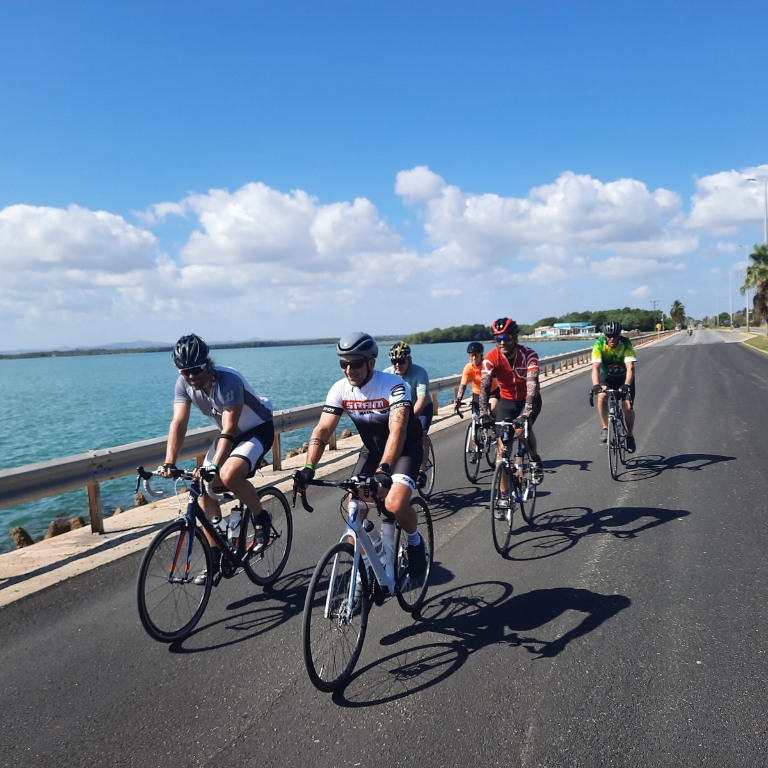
(642, 319)
(477, 332)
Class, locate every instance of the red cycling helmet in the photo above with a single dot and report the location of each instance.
(505, 325)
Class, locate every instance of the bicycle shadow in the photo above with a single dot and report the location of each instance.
(447, 503)
(652, 465)
(583, 464)
(264, 611)
(560, 529)
(472, 618)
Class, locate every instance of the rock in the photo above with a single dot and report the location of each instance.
(76, 522)
(304, 448)
(118, 511)
(291, 454)
(346, 433)
(57, 527)
(139, 499)
(20, 537)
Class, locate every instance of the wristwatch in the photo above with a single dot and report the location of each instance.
(385, 467)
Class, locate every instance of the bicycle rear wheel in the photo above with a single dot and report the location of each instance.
(429, 470)
(490, 452)
(264, 567)
(472, 453)
(170, 603)
(501, 510)
(614, 457)
(331, 637)
(527, 490)
(411, 592)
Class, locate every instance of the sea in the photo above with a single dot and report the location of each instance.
(63, 406)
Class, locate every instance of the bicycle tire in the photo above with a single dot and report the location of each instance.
(490, 453)
(170, 604)
(472, 453)
(527, 490)
(622, 433)
(429, 470)
(613, 449)
(411, 594)
(265, 567)
(332, 644)
(502, 528)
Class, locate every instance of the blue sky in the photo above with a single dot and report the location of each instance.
(293, 169)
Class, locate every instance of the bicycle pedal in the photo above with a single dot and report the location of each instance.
(217, 579)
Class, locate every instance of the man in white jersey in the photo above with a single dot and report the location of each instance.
(381, 408)
(246, 425)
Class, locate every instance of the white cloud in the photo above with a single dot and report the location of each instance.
(724, 202)
(419, 185)
(642, 292)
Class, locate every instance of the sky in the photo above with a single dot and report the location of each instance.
(288, 169)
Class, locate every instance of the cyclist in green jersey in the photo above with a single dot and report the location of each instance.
(613, 367)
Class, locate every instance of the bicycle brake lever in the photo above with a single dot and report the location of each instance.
(591, 400)
(304, 502)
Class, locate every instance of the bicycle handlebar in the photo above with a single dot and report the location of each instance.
(176, 474)
(352, 485)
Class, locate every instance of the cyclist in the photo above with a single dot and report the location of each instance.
(380, 406)
(613, 367)
(516, 368)
(247, 431)
(418, 381)
(472, 372)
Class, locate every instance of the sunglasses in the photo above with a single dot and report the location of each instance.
(613, 337)
(193, 371)
(353, 364)
(399, 360)
(502, 337)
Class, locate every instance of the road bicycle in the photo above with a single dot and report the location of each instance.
(617, 430)
(176, 574)
(346, 581)
(515, 466)
(478, 443)
(425, 490)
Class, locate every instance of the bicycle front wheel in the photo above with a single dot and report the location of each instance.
(265, 566)
(170, 602)
(412, 591)
(621, 429)
(490, 452)
(471, 455)
(527, 490)
(501, 510)
(332, 636)
(429, 470)
(614, 452)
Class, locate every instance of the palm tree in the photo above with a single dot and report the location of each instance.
(757, 278)
(677, 312)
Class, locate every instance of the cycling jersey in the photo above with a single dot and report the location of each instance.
(417, 378)
(229, 388)
(512, 377)
(613, 362)
(474, 374)
(369, 406)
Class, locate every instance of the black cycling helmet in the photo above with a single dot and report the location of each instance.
(399, 350)
(357, 343)
(475, 347)
(612, 328)
(190, 352)
(505, 325)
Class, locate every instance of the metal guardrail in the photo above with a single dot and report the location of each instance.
(89, 469)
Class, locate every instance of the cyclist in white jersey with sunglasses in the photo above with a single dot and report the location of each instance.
(381, 407)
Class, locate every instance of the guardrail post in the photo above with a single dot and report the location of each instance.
(277, 457)
(332, 441)
(94, 508)
(200, 459)
(434, 402)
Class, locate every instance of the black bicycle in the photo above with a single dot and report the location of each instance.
(477, 444)
(176, 574)
(617, 429)
(514, 466)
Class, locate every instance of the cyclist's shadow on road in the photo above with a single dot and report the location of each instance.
(560, 529)
(458, 622)
(250, 617)
(652, 465)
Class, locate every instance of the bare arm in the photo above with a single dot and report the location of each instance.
(596, 374)
(321, 434)
(177, 431)
(229, 421)
(420, 405)
(630, 373)
(398, 428)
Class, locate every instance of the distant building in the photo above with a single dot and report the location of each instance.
(574, 329)
(545, 330)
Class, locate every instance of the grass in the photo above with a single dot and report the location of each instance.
(759, 342)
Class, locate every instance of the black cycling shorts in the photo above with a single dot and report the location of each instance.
(614, 382)
(408, 464)
(476, 398)
(508, 410)
(426, 417)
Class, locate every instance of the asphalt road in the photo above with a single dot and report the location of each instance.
(626, 629)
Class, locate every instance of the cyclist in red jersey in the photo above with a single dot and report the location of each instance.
(516, 369)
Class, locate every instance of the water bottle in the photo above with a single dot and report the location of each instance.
(374, 536)
(388, 544)
(233, 526)
(219, 524)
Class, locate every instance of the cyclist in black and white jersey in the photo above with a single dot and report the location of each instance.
(245, 421)
(381, 408)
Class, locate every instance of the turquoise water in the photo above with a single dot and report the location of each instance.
(66, 405)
